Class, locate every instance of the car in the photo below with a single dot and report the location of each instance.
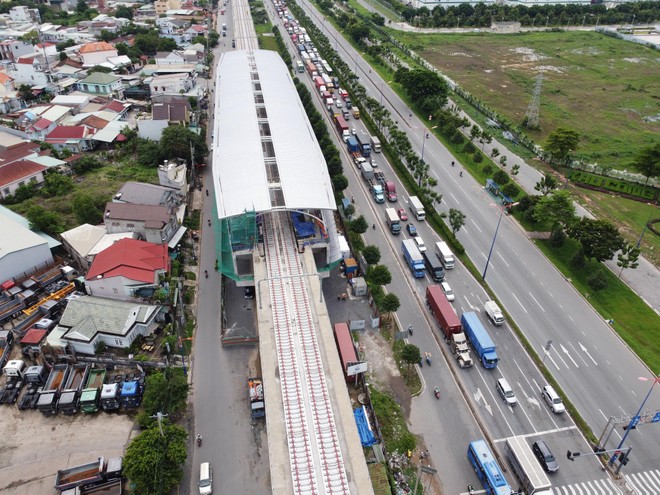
(353, 131)
(373, 162)
(339, 104)
(412, 230)
(447, 290)
(545, 456)
(506, 392)
(402, 214)
(553, 400)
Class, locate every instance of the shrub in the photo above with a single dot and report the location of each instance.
(578, 260)
(510, 190)
(457, 138)
(557, 238)
(528, 215)
(488, 169)
(478, 157)
(501, 177)
(597, 280)
(469, 147)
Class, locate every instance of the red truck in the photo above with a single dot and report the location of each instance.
(447, 319)
(342, 127)
(320, 83)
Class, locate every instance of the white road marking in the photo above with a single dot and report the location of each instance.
(523, 307)
(566, 351)
(503, 259)
(579, 355)
(584, 349)
(475, 224)
(532, 296)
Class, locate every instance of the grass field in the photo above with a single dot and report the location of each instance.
(604, 88)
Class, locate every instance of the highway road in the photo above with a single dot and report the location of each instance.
(594, 367)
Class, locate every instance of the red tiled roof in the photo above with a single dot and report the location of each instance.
(19, 170)
(34, 336)
(131, 259)
(41, 124)
(115, 106)
(95, 122)
(25, 60)
(96, 46)
(17, 152)
(69, 132)
(5, 77)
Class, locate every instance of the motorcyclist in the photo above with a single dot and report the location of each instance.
(436, 391)
(206, 273)
(207, 192)
(209, 222)
(460, 173)
(199, 439)
(410, 329)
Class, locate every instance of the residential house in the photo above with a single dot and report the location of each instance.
(16, 165)
(175, 110)
(13, 49)
(128, 269)
(31, 70)
(38, 121)
(10, 100)
(169, 58)
(197, 30)
(99, 83)
(75, 138)
(172, 174)
(174, 29)
(96, 53)
(162, 6)
(157, 224)
(23, 14)
(88, 321)
(172, 84)
(84, 242)
(150, 194)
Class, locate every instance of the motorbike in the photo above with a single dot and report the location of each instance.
(199, 440)
(428, 359)
(460, 173)
(470, 489)
(410, 329)
(209, 222)
(207, 192)
(206, 273)
(436, 392)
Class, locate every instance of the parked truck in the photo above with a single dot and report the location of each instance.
(110, 396)
(375, 144)
(90, 398)
(444, 255)
(494, 312)
(388, 186)
(413, 258)
(6, 344)
(526, 467)
(417, 208)
(131, 394)
(96, 473)
(70, 397)
(365, 145)
(342, 127)
(35, 377)
(393, 221)
(256, 395)
(480, 340)
(352, 144)
(448, 321)
(47, 402)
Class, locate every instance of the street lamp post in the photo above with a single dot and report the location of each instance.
(492, 245)
(639, 242)
(424, 138)
(635, 419)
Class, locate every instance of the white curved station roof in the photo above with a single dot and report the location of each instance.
(265, 155)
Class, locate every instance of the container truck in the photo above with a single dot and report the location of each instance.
(47, 402)
(444, 255)
(494, 312)
(70, 396)
(526, 467)
(352, 145)
(448, 321)
(91, 395)
(256, 395)
(363, 142)
(393, 221)
(375, 144)
(342, 127)
(413, 258)
(417, 208)
(388, 186)
(375, 188)
(433, 266)
(480, 340)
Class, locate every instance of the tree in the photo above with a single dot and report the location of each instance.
(422, 83)
(349, 211)
(86, 164)
(82, 7)
(561, 142)
(546, 184)
(628, 258)
(166, 392)
(175, 143)
(359, 225)
(501, 177)
(557, 208)
(379, 275)
(100, 68)
(339, 183)
(44, 220)
(154, 462)
(410, 354)
(86, 209)
(599, 238)
(371, 254)
(389, 304)
(647, 162)
(456, 220)
(166, 45)
(56, 184)
(475, 132)
(26, 94)
(148, 153)
(125, 12)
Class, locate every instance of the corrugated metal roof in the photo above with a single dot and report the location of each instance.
(265, 154)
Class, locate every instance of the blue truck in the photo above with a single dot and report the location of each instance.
(480, 340)
(365, 144)
(352, 144)
(413, 258)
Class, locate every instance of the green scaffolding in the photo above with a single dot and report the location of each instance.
(234, 234)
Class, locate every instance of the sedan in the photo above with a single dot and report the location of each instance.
(339, 103)
(412, 230)
(545, 456)
(402, 214)
(447, 290)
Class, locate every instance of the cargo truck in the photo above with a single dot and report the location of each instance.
(89, 475)
(526, 467)
(48, 397)
(356, 113)
(363, 142)
(6, 344)
(480, 340)
(448, 321)
(352, 144)
(494, 312)
(413, 258)
(417, 208)
(393, 221)
(433, 266)
(444, 255)
(131, 394)
(388, 186)
(342, 127)
(375, 188)
(90, 397)
(375, 144)
(70, 396)
(256, 395)
(110, 397)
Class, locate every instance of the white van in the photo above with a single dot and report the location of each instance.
(420, 244)
(506, 392)
(205, 479)
(552, 398)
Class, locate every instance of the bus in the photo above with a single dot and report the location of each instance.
(299, 66)
(487, 469)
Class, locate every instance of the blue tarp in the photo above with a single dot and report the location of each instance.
(303, 229)
(366, 435)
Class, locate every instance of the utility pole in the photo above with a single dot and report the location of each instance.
(532, 113)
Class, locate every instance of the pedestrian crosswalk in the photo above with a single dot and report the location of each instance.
(603, 486)
(646, 483)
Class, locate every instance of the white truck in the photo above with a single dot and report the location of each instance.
(526, 467)
(417, 208)
(444, 255)
(494, 313)
(393, 221)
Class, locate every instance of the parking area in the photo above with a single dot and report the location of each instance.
(34, 447)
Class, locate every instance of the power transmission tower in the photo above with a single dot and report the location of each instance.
(532, 114)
